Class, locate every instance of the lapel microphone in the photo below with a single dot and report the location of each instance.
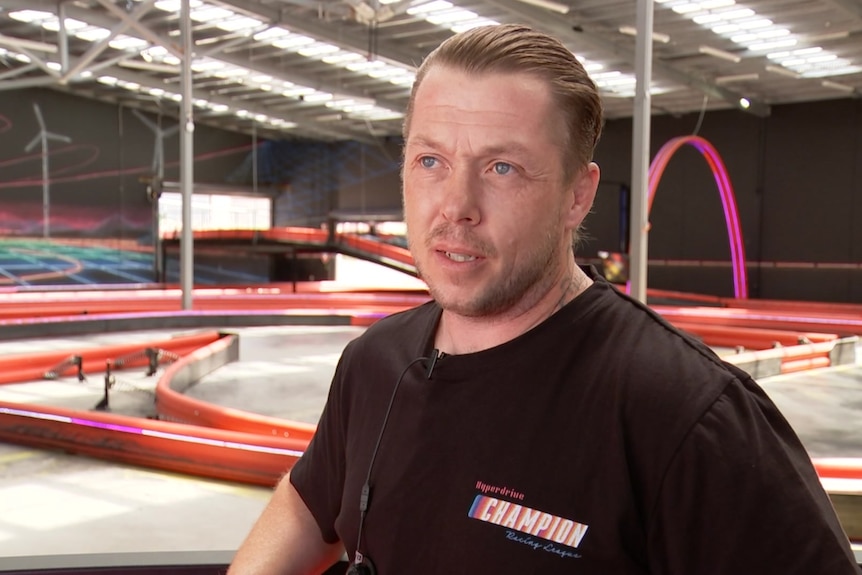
(362, 564)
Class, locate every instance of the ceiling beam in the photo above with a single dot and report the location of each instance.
(564, 30)
(105, 21)
(337, 35)
(253, 109)
(852, 7)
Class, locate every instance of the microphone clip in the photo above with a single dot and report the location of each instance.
(432, 362)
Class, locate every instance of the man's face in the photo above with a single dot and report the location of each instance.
(489, 217)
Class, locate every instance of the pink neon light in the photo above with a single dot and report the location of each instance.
(728, 201)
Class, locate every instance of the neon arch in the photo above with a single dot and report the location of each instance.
(728, 201)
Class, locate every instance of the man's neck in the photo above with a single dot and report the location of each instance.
(457, 334)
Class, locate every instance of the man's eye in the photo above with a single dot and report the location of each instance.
(428, 161)
(502, 168)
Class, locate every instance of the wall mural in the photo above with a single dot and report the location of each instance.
(74, 204)
(74, 207)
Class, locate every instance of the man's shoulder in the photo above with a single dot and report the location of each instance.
(414, 324)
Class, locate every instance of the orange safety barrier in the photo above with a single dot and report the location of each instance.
(751, 337)
(17, 307)
(34, 366)
(216, 453)
(180, 407)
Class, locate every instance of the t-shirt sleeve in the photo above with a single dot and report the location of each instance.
(741, 496)
(318, 476)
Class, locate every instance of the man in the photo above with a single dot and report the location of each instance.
(532, 419)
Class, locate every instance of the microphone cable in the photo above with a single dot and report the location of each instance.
(362, 565)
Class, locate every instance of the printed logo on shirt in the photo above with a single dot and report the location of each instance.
(535, 528)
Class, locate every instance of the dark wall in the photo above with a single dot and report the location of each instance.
(796, 176)
(372, 182)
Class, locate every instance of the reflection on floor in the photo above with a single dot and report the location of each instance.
(56, 503)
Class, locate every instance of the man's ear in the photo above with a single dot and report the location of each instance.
(582, 192)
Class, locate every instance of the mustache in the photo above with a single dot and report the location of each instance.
(459, 235)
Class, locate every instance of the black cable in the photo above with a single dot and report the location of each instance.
(702, 113)
(365, 494)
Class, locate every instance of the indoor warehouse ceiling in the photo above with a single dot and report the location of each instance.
(342, 69)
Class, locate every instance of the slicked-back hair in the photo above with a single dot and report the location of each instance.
(514, 48)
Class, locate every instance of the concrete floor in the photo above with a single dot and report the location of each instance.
(57, 504)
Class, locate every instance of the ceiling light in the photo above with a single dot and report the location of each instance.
(686, 8)
(762, 46)
(317, 97)
(724, 55)
(724, 29)
(711, 4)
(30, 16)
(239, 23)
(317, 49)
(744, 103)
(656, 36)
(210, 13)
(451, 17)
(292, 41)
(433, 6)
(836, 86)
(754, 24)
(738, 14)
(709, 18)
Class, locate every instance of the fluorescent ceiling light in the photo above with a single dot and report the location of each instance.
(30, 16)
(738, 14)
(210, 13)
(71, 24)
(724, 55)
(433, 6)
(238, 23)
(123, 42)
(772, 45)
(686, 8)
(317, 49)
(318, 97)
(713, 4)
(451, 17)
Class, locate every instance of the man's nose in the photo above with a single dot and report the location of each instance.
(460, 199)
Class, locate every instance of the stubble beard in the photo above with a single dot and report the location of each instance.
(501, 294)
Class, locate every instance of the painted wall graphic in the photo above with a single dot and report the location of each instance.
(74, 206)
(725, 190)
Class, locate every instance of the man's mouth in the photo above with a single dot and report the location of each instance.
(460, 258)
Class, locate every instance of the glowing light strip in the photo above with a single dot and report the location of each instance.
(149, 433)
(728, 201)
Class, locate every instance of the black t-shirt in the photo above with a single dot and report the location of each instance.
(603, 441)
